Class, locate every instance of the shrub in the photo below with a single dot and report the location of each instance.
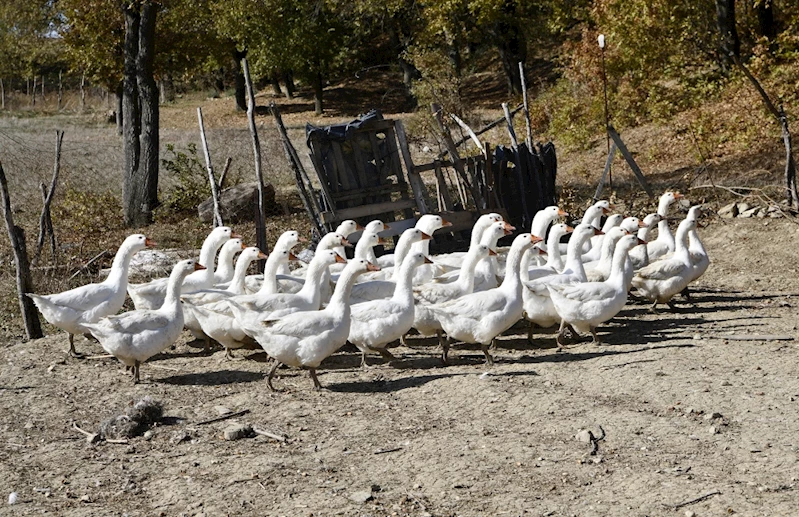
(189, 181)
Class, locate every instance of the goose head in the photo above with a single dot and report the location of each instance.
(251, 253)
(332, 240)
(612, 222)
(415, 260)
(221, 234)
(231, 247)
(604, 206)
(186, 267)
(137, 242)
(493, 233)
(633, 224)
(375, 226)
(358, 266)
(328, 257)
(288, 240)
(347, 227)
(628, 242)
(559, 230)
(695, 212)
(429, 223)
(666, 200)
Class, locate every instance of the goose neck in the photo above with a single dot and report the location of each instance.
(313, 280)
(403, 292)
(239, 276)
(173, 287)
(121, 265)
(512, 279)
(618, 266)
(341, 295)
(270, 274)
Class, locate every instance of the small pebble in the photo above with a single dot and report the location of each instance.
(713, 430)
(690, 513)
(583, 435)
(238, 431)
(13, 497)
(148, 435)
(361, 496)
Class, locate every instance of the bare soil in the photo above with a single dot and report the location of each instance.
(687, 412)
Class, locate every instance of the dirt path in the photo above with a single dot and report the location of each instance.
(686, 411)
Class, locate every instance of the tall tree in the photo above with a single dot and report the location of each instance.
(140, 114)
(729, 43)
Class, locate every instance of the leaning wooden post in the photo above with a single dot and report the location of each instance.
(33, 327)
(529, 126)
(210, 167)
(260, 224)
(45, 220)
(296, 166)
(457, 163)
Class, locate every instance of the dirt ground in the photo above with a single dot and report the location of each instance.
(687, 412)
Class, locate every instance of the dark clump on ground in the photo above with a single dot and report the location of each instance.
(134, 422)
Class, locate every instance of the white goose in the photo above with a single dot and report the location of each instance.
(584, 306)
(485, 276)
(69, 310)
(135, 336)
(376, 324)
(374, 227)
(224, 265)
(285, 243)
(306, 339)
(404, 246)
(538, 306)
(662, 279)
(599, 271)
(665, 242)
(638, 255)
(595, 252)
(455, 259)
(428, 223)
(224, 320)
(364, 249)
(481, 317)
(554, 263)
(434, 292)
(151, 295)
(202, 297)
(345, 229)
(293, 283)
(699, 258)
(541, 223)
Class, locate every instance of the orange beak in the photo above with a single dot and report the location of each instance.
(642, 224)
(359, 228)
(445, 223)
(149, 243)
(234, 235)
(199, 267)
(293, 257)
(606, 211)
(562, 213)
(386, 227)
(597, 231)
(427, 260)
(243, 246)
(569, 229)
(262, 255)
(345, 242)
(492, 253)
(381, 240)
(425, 237)
(340, 259)
(677, 195)
(302, 239)
(535, 239)
(541, 252)
(372, 267)
(641, 241)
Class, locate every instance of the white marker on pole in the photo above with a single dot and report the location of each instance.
(601, 40)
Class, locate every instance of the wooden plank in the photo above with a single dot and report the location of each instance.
(345, 175)
(445, 201)
(320, 172)
(453, 153)
(383, 168)
(756, 337)
(608, 163)
(367, 210)
(357, 157)
(461, 220)
(368, 192)
(490, 126)
(393, 155)
(376, 126)
(396, 228)
(630, 161)
(509, 123)
(417, 186)
(432, 165)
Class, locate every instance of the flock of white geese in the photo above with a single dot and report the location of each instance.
(301, 316)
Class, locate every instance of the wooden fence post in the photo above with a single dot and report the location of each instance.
(260, 223)
(210, 167)
(45, 219)
(33, 327)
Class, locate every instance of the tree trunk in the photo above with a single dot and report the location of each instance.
(119, 102)
(33, 327)
(765, 19)
(134, 196)
(241, 87)
(512, 51)
(148, 105)
(275, 84)
(288, 79)
(167, 87)
(83, 91)
(729, 44)
(33, 92)
(60, 91)
(317, 93)
(2, 95)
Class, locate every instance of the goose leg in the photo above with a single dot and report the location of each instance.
(363, 360)
(312, 373)
(444, 348)
(672, 306)
(560, 339)
(653, 308)
(686, 293)
(530, 331)
(489, 359)
(72, 352)
(403, 342)
(387, 356)
(272, 371)
(229, 354)
(136, 379)
(596, 340)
